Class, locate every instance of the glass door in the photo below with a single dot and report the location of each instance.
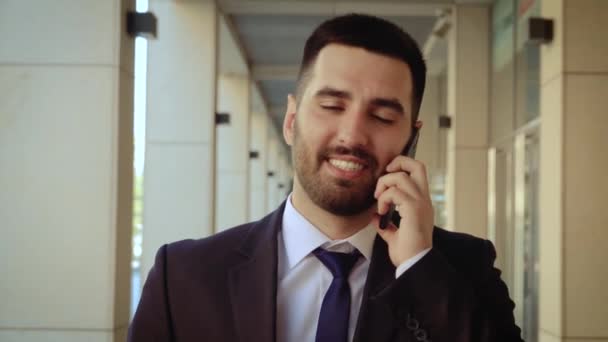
(529, 230)
(513, 222)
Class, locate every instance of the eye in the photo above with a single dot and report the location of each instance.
(383, 119)
(332, 108)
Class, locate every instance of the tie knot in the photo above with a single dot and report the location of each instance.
(339, 264)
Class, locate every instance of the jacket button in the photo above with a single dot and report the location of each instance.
(420, 335)
(412, 323)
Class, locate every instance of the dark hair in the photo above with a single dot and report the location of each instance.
(370, 33)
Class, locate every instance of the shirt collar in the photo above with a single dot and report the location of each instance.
(301, 237)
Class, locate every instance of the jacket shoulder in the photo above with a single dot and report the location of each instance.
(445, 239)
(223, 241)
(465, 252)
(209, 254)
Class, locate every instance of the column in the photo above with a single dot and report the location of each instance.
(468, 74)
(431, 145)
(287, 175)
(257, 166)
(273, 165)
(180, 126)
(284, 176)
(428, 143)
(66, 170)
(573, 164)
(232, 150)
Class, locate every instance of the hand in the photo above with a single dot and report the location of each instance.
(406, 186)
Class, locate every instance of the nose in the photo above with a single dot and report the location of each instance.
(353, 129)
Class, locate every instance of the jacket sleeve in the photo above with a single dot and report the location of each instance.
(495, 310)
(435, 302)
(152, 320)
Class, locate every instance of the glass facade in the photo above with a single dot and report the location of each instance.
(514, 156)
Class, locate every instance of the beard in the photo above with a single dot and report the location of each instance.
(341, 197)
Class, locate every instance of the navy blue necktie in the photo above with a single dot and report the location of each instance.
(335, 310)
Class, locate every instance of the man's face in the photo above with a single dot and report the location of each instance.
(352, 119)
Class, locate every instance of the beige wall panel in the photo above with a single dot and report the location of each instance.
(552, 55)
(273, 166)
(64, 32)
(585, 41)
(471, 177)
(551, 210)
(233, 139)
(585, 214)
(428, 148)
(544, 336)
(468, 90)
(257, 174)
(58, 336)
(58, 174)
(472, 87)
(232, 152)
(257, 206)
(586, 280)
(179, 173)
(178, 194)
(120, 334)
(231, 200)
(181, 100)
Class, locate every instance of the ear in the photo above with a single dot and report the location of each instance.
(289, 120)
(418, 124)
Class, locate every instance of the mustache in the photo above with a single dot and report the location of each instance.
(348, 151)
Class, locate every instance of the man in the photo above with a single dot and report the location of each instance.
(319, 268)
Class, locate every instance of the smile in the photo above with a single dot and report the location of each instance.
(346, 165)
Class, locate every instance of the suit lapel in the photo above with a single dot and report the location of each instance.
(253, 282)
(375, 321)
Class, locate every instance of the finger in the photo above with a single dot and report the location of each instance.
(416, 169)
(402, 181)
(393, 196)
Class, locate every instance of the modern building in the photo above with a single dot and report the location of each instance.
(112, 145)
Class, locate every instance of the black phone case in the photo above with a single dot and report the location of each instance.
(408, 151)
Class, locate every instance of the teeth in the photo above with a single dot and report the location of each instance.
(346, 165)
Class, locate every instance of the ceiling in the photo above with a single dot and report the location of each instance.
(270, 36)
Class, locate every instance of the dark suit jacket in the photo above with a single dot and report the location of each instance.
(223, 288)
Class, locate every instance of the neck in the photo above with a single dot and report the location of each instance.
(336, 227)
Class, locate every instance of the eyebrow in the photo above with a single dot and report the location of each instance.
(390, 103)
(332, 92)
(393, 104)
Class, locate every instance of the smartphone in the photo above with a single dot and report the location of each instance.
(408, 151)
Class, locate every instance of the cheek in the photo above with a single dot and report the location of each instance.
(384, 160)
(386, 150)
(316, 129)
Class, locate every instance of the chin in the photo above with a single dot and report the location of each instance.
(343, 202)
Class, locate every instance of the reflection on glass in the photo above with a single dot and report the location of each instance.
(503, 70)
(527, 65)
(139, 137)
(531, 242)
(514, 156)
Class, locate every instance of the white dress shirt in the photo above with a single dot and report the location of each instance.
(303, 280)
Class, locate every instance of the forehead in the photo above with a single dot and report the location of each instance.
(362, 73)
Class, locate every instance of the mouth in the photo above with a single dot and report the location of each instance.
(346, 167)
